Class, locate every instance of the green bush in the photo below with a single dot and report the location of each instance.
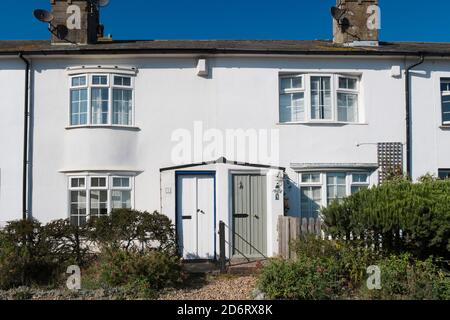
(405, 216)
(404, 277)
(306, 278)
(137, 251)
(351, 258)
(338, 270)
(26, 257)
(68, 242)
(142, 272)
(134, 230)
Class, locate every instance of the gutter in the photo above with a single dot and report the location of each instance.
(408, 116)
(25, 136)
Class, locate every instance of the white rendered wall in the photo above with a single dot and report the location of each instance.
(12, 88)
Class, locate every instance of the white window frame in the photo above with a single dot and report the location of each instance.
(113, 188)
(291, 91)
(120, 188)
(357, 183)
(444, 94)
(334, 87)
(108, 187)
(323, 184)
(110, 85)
(349, 91)
(88, 97)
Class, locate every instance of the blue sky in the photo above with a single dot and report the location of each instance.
(402, 20)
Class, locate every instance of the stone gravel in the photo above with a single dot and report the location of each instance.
(217, 288)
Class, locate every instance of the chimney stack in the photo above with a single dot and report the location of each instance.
(76, 22)
(358, 24)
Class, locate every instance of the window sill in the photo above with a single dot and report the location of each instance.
(445, 127)
(331, 124)
(112, 127)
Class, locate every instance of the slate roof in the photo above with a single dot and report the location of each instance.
(290, 47)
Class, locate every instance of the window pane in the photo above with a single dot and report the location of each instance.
(356, 189)
(122, 81)
(347, 107)
(99, 101)
(310, 201)
(444, 174)
(99, 80)
(121, 199)
(121, 182)
(321, 98)
(311, 177)
(445, 86)
(291, 83)
(122, 104)
(78, 81)
(292, 107)
(446, 108)
(98, 203)
(78, 107)
(360, 177)
(98, 182)
(336, 186)
(77, 183)
(78, 207)
(348, 83)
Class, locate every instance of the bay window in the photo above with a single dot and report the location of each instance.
(97, 196)
(319, 98)
(101, 99)
(319, 189)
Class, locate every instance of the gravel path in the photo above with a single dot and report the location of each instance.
(217, 288)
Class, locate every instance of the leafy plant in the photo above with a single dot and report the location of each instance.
(398, 216)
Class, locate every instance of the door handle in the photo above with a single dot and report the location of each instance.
(241, 216)
(256, 216)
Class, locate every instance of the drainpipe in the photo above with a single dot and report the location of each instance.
(408, 116)
(25, 137)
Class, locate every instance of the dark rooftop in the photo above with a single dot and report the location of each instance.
(301, 47)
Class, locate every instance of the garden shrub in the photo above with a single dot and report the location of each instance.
(405, 216)
(405, 277)
(338, 270)
(26, 256)
(142, 272)
(69, 242)
(306, 278)
(134, 230)
(352, 258)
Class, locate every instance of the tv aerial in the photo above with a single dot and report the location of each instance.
(340, 15)
(60, 31)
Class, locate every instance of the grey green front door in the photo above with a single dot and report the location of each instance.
(249, 215)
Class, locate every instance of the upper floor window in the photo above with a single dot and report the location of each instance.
(101, 99)
(445, 96)
(319, 98)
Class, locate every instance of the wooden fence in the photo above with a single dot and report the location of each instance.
(291, 228)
